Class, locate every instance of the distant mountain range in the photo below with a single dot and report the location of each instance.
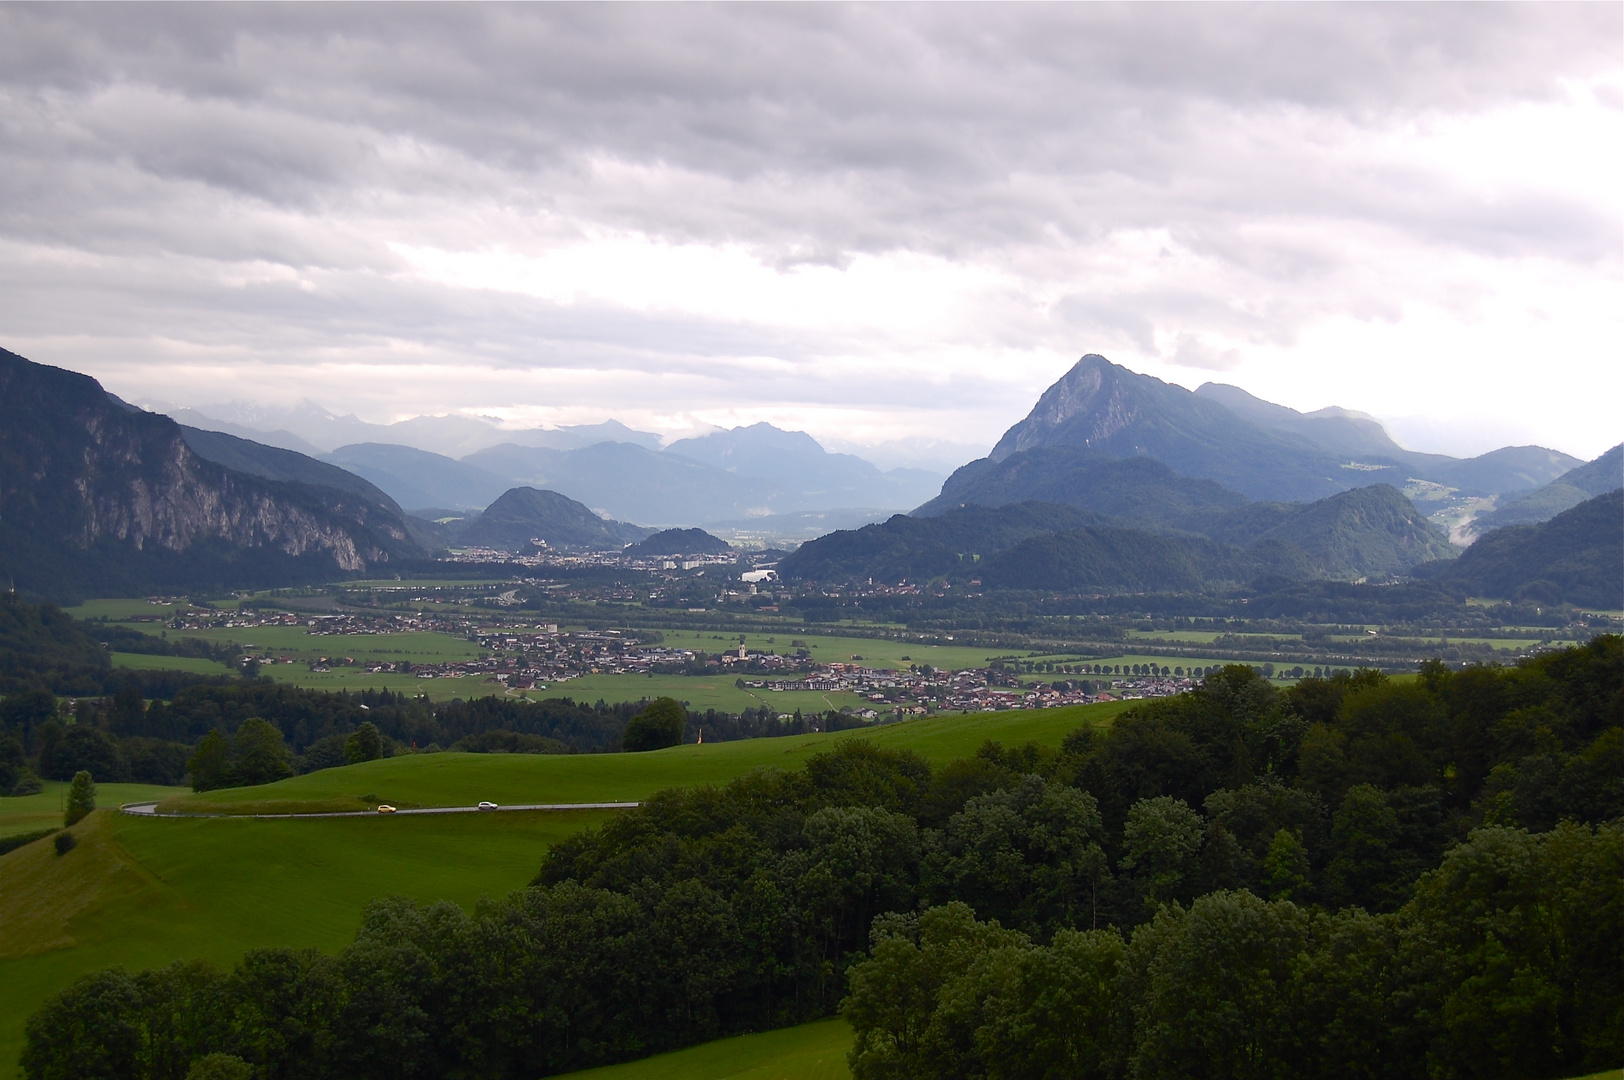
(463, 463)
(728, 475)
(99, 497)
(314, 430)
(1097, 412)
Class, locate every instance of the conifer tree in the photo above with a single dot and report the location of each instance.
(81, 798)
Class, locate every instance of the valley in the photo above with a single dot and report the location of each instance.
(284, 637)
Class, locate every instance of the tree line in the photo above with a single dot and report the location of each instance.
(1359, 876)
(254, 731)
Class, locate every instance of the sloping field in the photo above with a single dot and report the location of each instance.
(28, 813)
(464, 779)
(143, 891)
(815, 1051)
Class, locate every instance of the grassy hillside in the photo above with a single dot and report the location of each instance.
(464, 779)
(808, 1052)
(30, 813)
(144, 892)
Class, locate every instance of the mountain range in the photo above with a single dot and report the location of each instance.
(1098, 411)
(724, 476)
(1114, 481)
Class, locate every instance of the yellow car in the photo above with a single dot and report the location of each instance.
(385, 808)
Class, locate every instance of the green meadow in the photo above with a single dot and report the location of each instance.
(699, 691)
(195, 664)
(448, 779)
(146, 891)
(129, 607)
(30, 813)
(815, 1051)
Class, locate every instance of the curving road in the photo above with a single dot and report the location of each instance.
(150, 809)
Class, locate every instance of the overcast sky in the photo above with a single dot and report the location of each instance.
(866, 222)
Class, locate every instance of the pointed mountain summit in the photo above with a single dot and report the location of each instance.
(1104, 407)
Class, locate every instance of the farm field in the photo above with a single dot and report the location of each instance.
(195, 664)
(464, 779)
(815, 1051)
(699, 691)
(427, 646)
(117, 608)
(144, 892)
(355, 678)
(833, 648)
(1128, 659)
(1199, 637)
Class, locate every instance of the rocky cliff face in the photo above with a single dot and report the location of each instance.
(92, 487)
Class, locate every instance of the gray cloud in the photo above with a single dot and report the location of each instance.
(229, 178)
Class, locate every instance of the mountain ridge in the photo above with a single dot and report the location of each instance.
(1576, 557)
(1596, 477)
(96, 494)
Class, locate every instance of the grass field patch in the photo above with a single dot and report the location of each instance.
(116, 608)
(815, 1051)
(143, 892)
(448, 779)
(197, 665)
(28, 813)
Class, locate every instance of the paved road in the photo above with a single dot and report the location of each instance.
(150, 809)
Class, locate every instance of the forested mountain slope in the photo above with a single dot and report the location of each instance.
(1137, 489)
(1604, 474)
(1037, 545)
(1576, 557)
(918, 549)
(97, 496)
(524, 514)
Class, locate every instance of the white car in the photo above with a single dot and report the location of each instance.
(489, 806)
(385, 808)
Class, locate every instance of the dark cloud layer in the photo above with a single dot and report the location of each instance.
(252, 181)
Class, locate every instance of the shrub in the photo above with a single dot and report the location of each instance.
(65, 843)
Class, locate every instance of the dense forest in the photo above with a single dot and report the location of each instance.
(1356, 877)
